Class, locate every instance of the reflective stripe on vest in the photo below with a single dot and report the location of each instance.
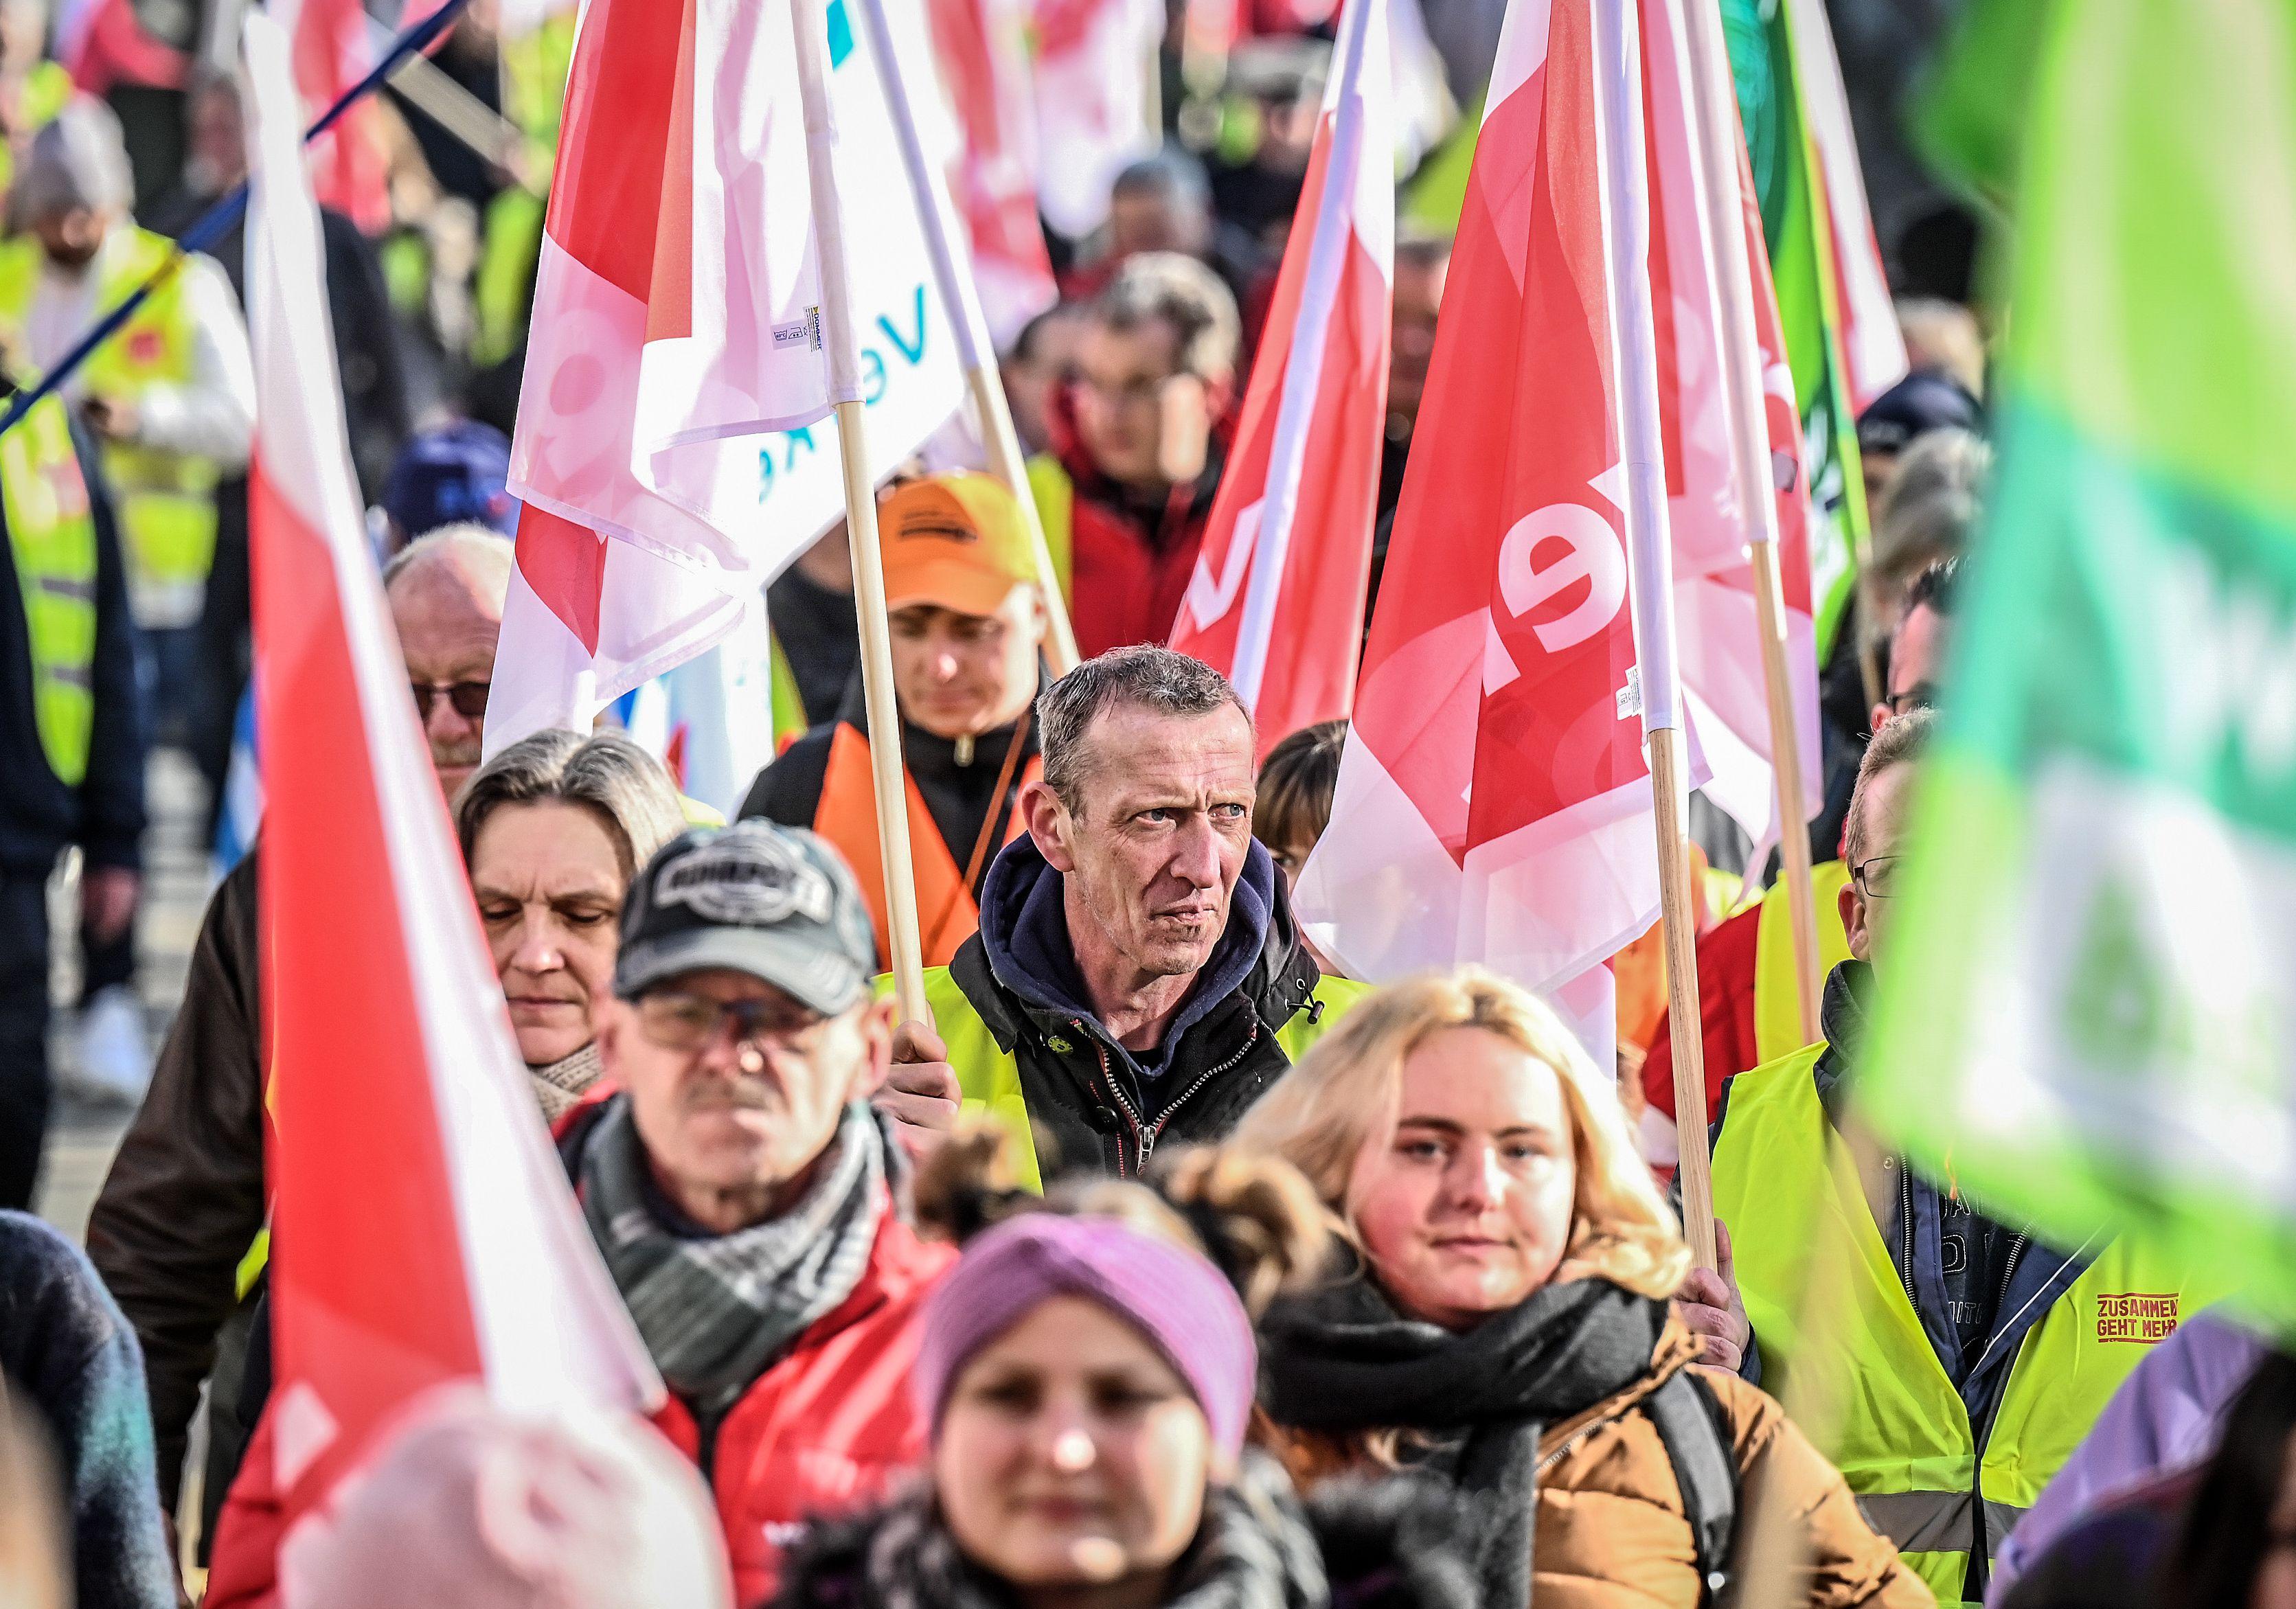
(847, 816)
(1906, 1446)
(988, 1078)
(51, 540)
(1777, 1018)
(1055, 495)
(165, 501)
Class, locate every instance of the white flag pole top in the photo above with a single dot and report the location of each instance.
(1626, 210)
(903, 942)
(1697, 32)
(1337, 224)
(960, 297)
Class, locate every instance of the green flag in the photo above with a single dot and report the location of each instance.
(1799, 230)
(2090, 987)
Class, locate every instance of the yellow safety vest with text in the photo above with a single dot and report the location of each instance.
(1778, 1017)
(165, 501)
(989, 1076)
(1905, 1445)
(51, 540)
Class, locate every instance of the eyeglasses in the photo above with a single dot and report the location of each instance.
(677, 1019)
(1877, 879)
(469, 699)
(1920, 695)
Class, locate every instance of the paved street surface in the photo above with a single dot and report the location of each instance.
(83, 1135)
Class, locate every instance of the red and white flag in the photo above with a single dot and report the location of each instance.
(1494, 803)
(1872, 347)
(671, 451)
(1095, 59)
(983, 51)
(1724, 692)
(349, 167)
(1287, 555)
(424, 1229)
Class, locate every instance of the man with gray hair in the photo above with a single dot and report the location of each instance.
(1139, 977)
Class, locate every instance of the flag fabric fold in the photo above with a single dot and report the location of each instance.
(462, 1256)
(1286, 553)
(982, 47)
(1725, 690)
(673, 451)
(2087, 1002)
(1494, 802)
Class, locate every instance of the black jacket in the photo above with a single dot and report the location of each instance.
(39, 816)
(1403, 1542)
(1097, 1103)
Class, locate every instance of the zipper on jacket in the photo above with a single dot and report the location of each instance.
(1905, 1233)
(1145, 1136)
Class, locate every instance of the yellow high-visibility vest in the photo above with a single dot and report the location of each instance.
(165, 501)
(51, 538)
(989, 1076)
(1777, 1021)
(1905, 1444)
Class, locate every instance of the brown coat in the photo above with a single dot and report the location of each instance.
(1611, 1532)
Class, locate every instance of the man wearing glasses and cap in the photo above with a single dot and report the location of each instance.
(743, 1194)
(967, 621)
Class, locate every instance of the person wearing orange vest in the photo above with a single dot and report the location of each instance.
(967, 621)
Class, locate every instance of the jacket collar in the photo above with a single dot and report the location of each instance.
(1019, 969)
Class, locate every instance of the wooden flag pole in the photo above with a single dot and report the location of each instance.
(960, 298)
(1718, 140)
(1650, 565)
(886, 773)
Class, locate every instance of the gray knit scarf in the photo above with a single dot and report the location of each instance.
(716, 1313)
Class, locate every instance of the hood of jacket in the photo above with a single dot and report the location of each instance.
(1024, 936)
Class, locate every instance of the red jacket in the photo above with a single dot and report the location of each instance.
(824, 1430)
(1130, 569)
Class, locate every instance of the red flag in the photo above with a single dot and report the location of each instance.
(1287, 553)
(1494, 803)
(350, 169)
(1095, 59)
(983, 51)
(424, 1229)
(670, 450)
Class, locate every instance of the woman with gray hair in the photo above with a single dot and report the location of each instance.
(553, 830)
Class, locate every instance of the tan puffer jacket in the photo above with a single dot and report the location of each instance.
(1611, 1531)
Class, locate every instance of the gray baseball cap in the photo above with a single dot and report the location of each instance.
(773, 901)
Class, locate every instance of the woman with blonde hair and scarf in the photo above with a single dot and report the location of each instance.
(1504, 1321)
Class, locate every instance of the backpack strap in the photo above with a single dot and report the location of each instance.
(1689, 1421)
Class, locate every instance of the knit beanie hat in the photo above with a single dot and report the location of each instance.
(1184, 1306)
(468, 1506)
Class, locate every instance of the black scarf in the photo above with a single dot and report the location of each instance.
(1342, 1360)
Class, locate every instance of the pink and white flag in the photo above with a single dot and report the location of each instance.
(350, 167)
(1093, 62)
(1872, 347)
(671, 451)
(1724, 692)
(1493, 801)
(983, 51)
(1286, 556)
(425, 1231)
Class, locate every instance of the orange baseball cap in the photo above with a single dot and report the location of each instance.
(955, 540)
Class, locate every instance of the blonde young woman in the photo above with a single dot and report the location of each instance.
(1506, 1322)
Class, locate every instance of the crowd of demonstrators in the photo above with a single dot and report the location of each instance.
(1139, 977)
(967, 625)
(1086, 1377)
